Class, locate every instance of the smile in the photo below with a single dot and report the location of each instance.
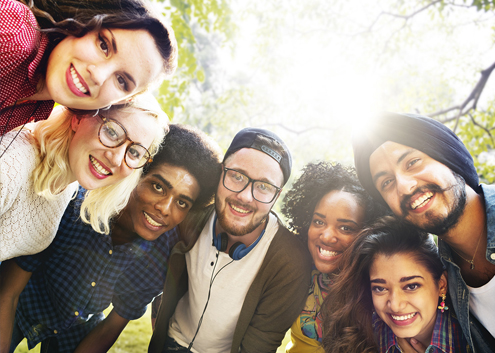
(403, 317)
(151, 221)
(98, 167)
(76, 81)
(422, 200)
(328, 253)
(240, 210)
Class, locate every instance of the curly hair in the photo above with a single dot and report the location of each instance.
(61, 18)
(348, 314)
(317, 180)
(193, 150)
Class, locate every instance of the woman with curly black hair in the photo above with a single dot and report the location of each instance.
(326, 208)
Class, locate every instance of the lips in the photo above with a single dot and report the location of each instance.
(98, 170)
(239, 209)
(403, 320)
(76, 83)
(422, 200)
(328, 253)
(151, 221)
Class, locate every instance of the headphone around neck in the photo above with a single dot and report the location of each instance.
(238, 250)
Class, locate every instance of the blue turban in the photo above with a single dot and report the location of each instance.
(422, 133)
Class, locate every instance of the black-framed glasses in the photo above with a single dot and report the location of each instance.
(236, 181)
(112, 134)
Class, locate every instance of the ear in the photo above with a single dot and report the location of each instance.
(76, 120)
(442, 283)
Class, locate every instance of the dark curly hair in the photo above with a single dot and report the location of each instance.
(61, 18)
(317, 180)
(193, 150)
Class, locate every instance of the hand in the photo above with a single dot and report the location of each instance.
(411, 345)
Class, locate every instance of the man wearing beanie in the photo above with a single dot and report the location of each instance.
(237, 279)
(424, 173)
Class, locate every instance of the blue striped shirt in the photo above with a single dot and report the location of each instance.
(81, 273)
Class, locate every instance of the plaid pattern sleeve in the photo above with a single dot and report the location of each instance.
(447, 336)
(82, 275)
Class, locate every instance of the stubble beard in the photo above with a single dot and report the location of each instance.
(438, 224)
(234, 229)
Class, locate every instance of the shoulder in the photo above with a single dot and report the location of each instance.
(21, 155)
(17, 22)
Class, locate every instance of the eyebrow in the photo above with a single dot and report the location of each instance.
(400, 159)
(265, 180)
(114, 46)
(403, 279)
(344, 220)
(169, 185)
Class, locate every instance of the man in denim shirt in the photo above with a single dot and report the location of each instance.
(425, 174)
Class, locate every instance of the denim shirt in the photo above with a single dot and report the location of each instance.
(476, 334)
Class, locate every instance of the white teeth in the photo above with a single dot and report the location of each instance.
(151, 221)
(402, 318)
(76, 81)
(240, 210)
(98, 166)
(328, 253)
(421, 200)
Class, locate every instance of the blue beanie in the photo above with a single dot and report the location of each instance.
(422, 133)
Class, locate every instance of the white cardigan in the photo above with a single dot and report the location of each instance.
(28, 222)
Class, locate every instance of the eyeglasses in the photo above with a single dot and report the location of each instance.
(261, 190)
(112, 134)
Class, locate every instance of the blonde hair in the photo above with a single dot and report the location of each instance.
(54, 136)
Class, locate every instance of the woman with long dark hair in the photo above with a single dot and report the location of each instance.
(391, 296)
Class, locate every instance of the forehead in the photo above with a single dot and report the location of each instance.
(340, 202)
(179, 178)
(397, 266)
(257, 165)
(140, 126)
(137, 54)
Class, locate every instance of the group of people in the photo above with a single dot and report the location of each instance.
(102, 201)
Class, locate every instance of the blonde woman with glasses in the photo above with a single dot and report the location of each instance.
(41, 170)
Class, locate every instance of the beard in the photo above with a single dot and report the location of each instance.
(437, 224)
(231, 227)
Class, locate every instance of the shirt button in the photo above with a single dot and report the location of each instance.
(492, 256)
(76, 313)
(110, 252)
(93, 284)
(55, 331)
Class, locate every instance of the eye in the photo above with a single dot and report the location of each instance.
(264, 188)
(412, 286)
(123, 83)
(386, 183)
(103, 44)
(412, 162)
(111, 132)
(157, 187)
(134, 153)
(182, 204)
(347, 229)
(318, 222)
(377, 289)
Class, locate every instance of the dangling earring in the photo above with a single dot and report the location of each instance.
(442, 305)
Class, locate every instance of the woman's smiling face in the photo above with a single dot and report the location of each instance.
(405, 295)
(337, 219)
(101, 68)
(92, 164)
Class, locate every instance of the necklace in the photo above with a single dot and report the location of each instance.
(474, 255)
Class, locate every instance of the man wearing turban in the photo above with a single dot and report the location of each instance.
(425, 174)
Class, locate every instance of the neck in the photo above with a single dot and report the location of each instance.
(468, 240)
(246, 239)
(121, 231)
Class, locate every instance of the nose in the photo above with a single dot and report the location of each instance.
(329, 235)
(116, 155)
(246, 195)
(396, 301)
(405, 184)
(164, 206)
(100, 72)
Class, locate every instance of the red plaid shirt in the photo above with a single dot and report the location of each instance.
(21, 50)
